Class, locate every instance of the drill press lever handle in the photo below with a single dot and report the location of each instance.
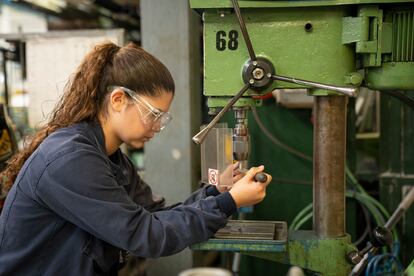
(348, 91)
(259, 177)
(243, 29)
(199, 137)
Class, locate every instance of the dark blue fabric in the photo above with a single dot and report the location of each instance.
(72, 209)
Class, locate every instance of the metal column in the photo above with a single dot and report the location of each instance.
(170, 31)
(329, 147)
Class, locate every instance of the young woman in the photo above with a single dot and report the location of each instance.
(75, 203)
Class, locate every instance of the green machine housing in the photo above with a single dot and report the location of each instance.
(334, 42)
(343, 43)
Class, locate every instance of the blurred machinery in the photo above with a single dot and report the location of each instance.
(8, 144)
(329, 48)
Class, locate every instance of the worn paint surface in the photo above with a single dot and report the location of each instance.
(304, 249)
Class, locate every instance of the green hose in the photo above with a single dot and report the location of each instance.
(303, 221)
(363, 199)
(303, 212)
(370, 203)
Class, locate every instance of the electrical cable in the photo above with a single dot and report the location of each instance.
(385, 264)
(367, 228)
(275, 140)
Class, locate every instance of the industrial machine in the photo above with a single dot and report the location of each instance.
(329, 48)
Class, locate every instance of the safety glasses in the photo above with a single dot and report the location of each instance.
(151, 117)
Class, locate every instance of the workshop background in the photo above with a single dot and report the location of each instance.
(362, 44)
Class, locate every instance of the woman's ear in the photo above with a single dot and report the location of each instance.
(117, 100)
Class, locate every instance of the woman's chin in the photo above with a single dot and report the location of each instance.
(137, 144)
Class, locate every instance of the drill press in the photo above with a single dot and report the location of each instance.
(318, 41)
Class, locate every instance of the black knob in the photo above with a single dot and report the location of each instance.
(381, 236)
(260, 177)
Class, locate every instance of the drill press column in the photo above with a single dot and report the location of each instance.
(329, 166)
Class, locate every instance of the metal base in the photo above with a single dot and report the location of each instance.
(326, 256)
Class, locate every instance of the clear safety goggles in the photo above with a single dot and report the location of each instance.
(151, 117)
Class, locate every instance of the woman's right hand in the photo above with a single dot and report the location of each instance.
(247, 191)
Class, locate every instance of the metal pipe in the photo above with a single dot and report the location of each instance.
(329, 147)
(402, 208)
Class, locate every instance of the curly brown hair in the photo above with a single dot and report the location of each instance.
(84, 97)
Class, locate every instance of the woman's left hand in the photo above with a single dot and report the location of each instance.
(230, 175)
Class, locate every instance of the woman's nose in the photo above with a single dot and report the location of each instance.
(156, 126)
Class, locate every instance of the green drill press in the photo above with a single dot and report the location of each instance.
(328, 47)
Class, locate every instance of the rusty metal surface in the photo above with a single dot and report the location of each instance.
(329, 165)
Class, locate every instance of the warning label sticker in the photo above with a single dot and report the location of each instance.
(213, 177)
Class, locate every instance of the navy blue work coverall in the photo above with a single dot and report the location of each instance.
(73, 210)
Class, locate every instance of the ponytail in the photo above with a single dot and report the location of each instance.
(85, 93)
(79, 102)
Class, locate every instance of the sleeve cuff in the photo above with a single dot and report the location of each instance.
(226, 203)
(212, 191)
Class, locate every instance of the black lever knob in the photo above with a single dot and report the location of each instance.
(260, 177)
(381, 236)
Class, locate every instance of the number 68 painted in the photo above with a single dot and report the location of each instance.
(232, 42)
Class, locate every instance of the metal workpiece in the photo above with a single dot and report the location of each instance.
(248, 236)
(329, 165)
(253, 230)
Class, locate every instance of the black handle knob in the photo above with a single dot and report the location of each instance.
(260, 177)
(381, 237)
